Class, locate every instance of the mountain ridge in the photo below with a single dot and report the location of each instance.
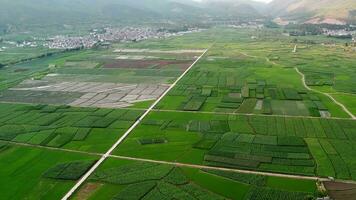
(314, 11)
(130, 11)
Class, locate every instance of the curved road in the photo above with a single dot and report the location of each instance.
(326, 94)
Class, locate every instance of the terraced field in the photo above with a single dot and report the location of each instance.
(237, 123)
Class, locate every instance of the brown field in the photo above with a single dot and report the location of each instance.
(341, 191)
(87, 190)
(142, 64)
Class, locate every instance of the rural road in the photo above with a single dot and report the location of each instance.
(117, 143)
(109, 152)
(326, 94)
(222, 169)
(247, 114)
(178, 164)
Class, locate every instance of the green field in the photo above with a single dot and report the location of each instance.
(85, 129)
(122, 179)
(242, 106)
(234, 76)
(22, 172)
(306, 146)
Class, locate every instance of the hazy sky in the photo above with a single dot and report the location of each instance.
(266, 1)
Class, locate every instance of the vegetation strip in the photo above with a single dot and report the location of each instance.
(223, 169)
(326, 94)
(249, 114)
(108, 153)
(178, 164)
(50, 148)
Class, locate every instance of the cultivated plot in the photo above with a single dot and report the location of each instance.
(124, 179)
(84, 94)
(245, 84)
(31, 173)
(86, 129)
(305, 146)
(107, 79)
(206, 119)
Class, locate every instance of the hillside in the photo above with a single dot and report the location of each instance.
(27, 12)
(234, 8)
(72, 11)
(53, 12)
(314, 11)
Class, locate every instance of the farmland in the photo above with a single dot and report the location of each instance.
(27, 165)
(123, 179)
(63, 126)
(305, 146)
(234, 127)
(235, 78)
(104, 78)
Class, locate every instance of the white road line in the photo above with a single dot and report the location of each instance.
(108, 153)
(178, 164)
(223, 169)
(248, 114)
(326, 94)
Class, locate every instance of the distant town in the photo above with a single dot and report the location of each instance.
(99, 36)
(105, 36)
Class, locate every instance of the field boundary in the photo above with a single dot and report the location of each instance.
(50, 148)
(179, 164)
(248, 114)
(121, 139)
(326, 94)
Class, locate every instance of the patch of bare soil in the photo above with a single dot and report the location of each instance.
(87, 190)
(341, 191)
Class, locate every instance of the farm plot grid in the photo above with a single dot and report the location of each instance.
(27, 172)
(85, 94)
(230, 86)
(54, 172)
(124, 179)
(66, 125)
(286, 145)
(86, 129)
(104, 79)
(304, 146)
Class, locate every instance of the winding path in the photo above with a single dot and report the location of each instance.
(326, 94)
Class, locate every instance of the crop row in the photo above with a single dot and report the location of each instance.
(58, 125)
(272, 126)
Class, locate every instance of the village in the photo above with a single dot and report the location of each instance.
(95, 37)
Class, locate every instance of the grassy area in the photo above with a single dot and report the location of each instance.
(85, 129)
(349, 100)
(235, 77)
(246, 71)
(26, 166)
(276, 144)
(117, 179)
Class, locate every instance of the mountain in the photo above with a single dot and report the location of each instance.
(234, 8)
(27, 12)
(314, 11)
(73, 11)
(54, 12)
